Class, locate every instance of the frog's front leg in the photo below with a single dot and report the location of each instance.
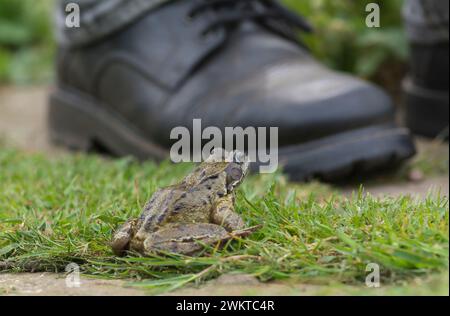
(122, 238)
(224, 214)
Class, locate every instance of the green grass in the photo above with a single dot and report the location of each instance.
(54, 211)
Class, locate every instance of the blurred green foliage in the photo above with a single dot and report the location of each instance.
(341, 38)
(26, 41)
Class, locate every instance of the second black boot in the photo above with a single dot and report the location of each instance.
(426, 88)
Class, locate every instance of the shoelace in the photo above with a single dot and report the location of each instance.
(270, 13)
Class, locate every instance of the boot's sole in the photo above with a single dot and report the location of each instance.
(79, 123)
(351, 153)
(426, 110)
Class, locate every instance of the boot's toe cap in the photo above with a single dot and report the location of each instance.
(306, 102)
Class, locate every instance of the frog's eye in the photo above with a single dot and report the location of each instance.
(234, 173)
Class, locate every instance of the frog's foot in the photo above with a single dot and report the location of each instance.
(189, 239)
(122, 237)
(241, 233)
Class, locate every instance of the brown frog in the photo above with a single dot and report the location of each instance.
(184, 217)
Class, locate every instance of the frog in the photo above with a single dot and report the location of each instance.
(185, 217)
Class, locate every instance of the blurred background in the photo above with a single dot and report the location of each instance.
(341, 40)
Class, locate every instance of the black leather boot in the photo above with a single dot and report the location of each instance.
(229, 63)
(426, 87)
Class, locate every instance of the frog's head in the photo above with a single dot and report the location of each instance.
(235, 165)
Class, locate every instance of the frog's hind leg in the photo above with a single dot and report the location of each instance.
(186, 239)
(122, 237)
